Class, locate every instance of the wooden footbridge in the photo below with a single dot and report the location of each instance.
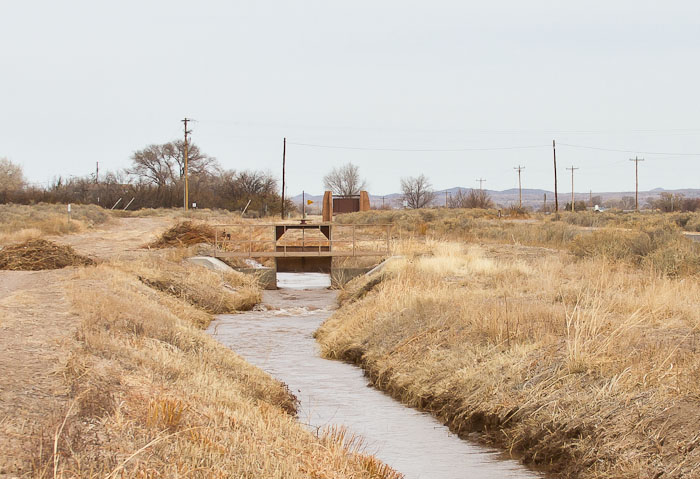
(302, 247)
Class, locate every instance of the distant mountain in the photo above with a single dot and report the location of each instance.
(532, 198)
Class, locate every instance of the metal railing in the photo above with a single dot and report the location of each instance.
(297, 240)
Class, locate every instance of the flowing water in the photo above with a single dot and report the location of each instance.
(279, 340)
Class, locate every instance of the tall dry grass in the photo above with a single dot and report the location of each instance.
(647, 240)
(212, 292)
(20, 223)
(588, 368)
(154, 396)
(687, 221)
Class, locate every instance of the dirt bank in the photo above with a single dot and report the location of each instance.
(106, 375)
(582, 367)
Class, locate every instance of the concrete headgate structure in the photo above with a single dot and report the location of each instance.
(302, 247)
(333, 205)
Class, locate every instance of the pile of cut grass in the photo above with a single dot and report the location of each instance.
(38, 254)
(587, 368)
(186, 233)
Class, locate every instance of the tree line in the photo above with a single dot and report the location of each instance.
(154, 179)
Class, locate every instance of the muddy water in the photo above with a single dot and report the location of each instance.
(279, 340)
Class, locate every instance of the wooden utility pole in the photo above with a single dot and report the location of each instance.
(187, 185)
(556, 193)
(572, 186)
(520, 189)
(97, 172)
(636, 181)
(446, 199)
(481, 183)
(284, 160)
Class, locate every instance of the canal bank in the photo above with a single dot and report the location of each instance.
(278, 338)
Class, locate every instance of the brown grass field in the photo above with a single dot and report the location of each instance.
(571, 344)
(107, 373)
(580, 355)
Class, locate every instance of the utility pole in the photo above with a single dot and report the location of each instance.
(572, 186)
(187, 185)
(481, 183)
(636, 181)
(446, 199)
(556, 193)
(520, 189)
(97, 172)
(284, 160)
(382, 202)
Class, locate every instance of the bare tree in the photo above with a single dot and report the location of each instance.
(344, 180)
(472, 199)
(11, 176)
(165, 164)
(417, 191)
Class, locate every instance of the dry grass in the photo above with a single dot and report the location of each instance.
(687, 221)
(649, 240)
(210, 291)
(664, 250)
(23, 222)
(588, 368)
(153, 396)
(186, 233)
(38, 254)
(200, 214)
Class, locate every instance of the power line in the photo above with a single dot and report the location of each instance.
(520, 189)
(629, 151)
(187, 186)
(636, 181)
(495, 148)
(419, 150)
(556, 192)
(572, 187)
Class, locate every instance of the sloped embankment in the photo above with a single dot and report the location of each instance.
(151, 395)
(584, 368)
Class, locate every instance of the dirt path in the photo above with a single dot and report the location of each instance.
(36, 332)
(122, 236)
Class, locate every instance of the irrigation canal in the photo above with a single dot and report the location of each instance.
(279, 340)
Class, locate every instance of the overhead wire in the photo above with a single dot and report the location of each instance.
(419, 150)
(498, 148)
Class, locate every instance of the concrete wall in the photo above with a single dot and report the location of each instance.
(340, 276)
(267, 277)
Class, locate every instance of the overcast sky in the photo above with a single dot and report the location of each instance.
(84, 81)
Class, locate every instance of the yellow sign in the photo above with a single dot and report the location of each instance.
(309, 202)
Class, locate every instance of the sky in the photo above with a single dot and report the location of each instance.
(455, 90)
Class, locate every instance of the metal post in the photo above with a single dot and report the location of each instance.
(284, 160)
(556, 193)
(388, 229)
(353, 240)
